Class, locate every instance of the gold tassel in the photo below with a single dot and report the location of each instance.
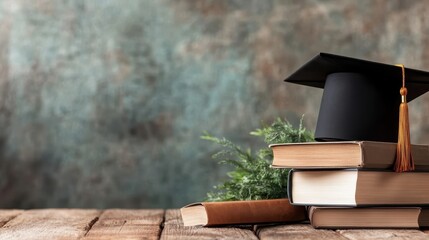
(404, 161)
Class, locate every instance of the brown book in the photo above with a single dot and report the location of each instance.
(350, 154)
(353, 187)
(241, 212)
(398, 217)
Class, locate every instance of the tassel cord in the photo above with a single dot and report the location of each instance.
(404, 161)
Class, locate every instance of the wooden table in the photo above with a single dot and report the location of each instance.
(160, 224)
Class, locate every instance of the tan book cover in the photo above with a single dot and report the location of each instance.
(373, 217)
(354, 187)
(241, 212)
(348, 154)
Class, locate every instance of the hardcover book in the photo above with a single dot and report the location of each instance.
(241, 212)
(354, 187)
(377, 217)
(349, 154)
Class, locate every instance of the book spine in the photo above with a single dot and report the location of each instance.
(289, 186)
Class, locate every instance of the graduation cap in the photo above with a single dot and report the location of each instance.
(361, 100)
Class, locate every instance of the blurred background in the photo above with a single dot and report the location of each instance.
(102, 103)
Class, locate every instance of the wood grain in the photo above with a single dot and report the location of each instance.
(372, 234)
(181, 232)
(7, 215)
(49, 224)
(127, 224)
(173, 217)
(296, 231)
(174, 229)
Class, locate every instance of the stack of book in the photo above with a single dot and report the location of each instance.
(352, 184)
(340, 184)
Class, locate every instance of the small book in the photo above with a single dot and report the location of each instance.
(340, 218)
(354, 187)
(349, 154)
(241, 212)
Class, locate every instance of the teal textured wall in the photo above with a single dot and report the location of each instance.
(102, 102)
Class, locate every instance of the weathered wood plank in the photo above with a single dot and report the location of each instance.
(49, 224)
(173, 217)
(127, 224)
(174, 229)
(372, 234)
(296, 231)
(181, 232)
(7, 215)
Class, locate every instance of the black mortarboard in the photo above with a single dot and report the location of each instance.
(361, 98)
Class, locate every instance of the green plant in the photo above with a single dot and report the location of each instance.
(252, 177)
